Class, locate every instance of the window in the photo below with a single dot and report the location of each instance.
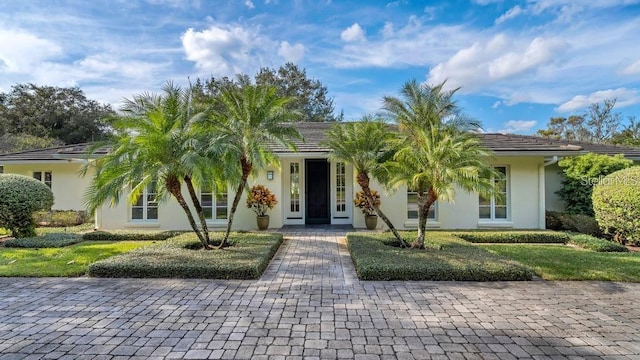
(214, 205)
(146, 207)
(43, 176)
(412, 207)
(495, 207)
(341, 187)
(294, 182)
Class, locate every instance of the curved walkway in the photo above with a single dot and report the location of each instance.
(309, 304)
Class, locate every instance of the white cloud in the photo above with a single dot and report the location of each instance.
(225, 49)
(22, 51)
(496, 104)
(633, 69)
(624, 96)
(353, 33)
(387, 29)
(510, 14)
(291, 53)
(518, 126)
(486, 2)
(249, 4)
(501, 57)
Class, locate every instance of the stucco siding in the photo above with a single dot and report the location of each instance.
(67, 185)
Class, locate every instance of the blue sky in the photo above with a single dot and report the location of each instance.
(518, 63)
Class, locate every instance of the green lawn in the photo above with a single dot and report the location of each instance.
(67, 261)
(558, 262)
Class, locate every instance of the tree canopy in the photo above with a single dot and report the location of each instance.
(598, 124)
(52, 113)
(309, 97)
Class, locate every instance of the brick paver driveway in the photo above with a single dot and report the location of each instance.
(309, 304)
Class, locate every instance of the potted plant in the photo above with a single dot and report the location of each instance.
(260, 199)
(370, 218)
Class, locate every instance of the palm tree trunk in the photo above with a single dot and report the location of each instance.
(424, 204)
(246, 170)
(363, 181)
(173, 185)
(198, 206)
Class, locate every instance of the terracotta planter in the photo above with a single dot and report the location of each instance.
(371, 221)
(263, 222)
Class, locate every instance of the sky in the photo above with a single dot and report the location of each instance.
(517, 63)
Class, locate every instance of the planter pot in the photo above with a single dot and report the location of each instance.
(371, 221)
(263, 222)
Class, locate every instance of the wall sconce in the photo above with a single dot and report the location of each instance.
(270, 175)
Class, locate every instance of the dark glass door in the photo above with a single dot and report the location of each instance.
(317, 192)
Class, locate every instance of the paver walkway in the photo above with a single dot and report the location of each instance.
(309, 304)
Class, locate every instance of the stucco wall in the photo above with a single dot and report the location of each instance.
(67, 185)
(172, 217)
(524, 204)
(553, 183)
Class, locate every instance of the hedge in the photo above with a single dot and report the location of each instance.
(51, 240)
(246, 258)
(377, 257)
(596, 244)
(130, 235)
(514, 237)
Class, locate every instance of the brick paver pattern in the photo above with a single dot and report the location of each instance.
(310, 304)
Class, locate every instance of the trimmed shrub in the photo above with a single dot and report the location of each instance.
(129, 235)
(514, 237)
(60, 218)
(581, 174)
(616, 201)
(51, 240)
(593, 243)
(579, 223)
(20, 196)
(246, 258)
(378, 257)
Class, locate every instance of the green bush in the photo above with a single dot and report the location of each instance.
(579, 223)
(581, 174)
(129, 235)
(514, 237)
(593, 243)
(246, 258)
(616, 202)
(51, 240)
(60, 218)
(20, 196)
(378, 257)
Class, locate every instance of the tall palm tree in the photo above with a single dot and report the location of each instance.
(154, 145)
(246, 121)
(364, 145)
(436, 149)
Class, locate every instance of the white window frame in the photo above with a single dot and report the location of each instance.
(215, 206)
(492, 200)
(411, 222)
(296, 216)
(339, 217)
(146, 205)
(42, 177)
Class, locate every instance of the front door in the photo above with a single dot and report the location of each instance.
(317, 194)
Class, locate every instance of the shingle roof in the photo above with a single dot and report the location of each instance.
(315, 133)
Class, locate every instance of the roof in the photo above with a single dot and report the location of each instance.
(315, 133)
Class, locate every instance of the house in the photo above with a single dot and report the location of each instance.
(313, 190)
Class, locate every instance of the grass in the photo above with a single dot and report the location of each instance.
(68, 229)
(247, 258)
(553, 262)
(448, 258)
(60, 262)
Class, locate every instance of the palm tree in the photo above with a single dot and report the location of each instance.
(246, 121)
(153, 145)
(364, 145)
(436, 149)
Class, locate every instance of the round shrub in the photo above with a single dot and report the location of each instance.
(20, 196)
(616, 202)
